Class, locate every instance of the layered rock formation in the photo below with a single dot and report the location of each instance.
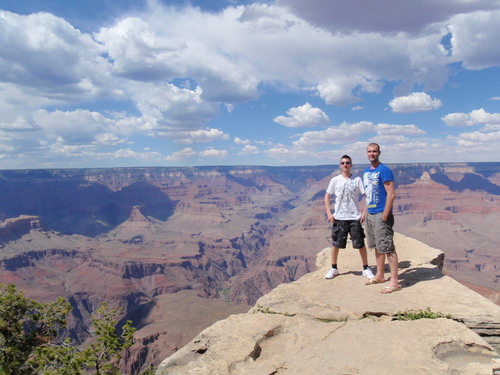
(156, 241)
(342, 326)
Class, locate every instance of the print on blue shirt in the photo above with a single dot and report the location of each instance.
(373, 181)
(371, 189)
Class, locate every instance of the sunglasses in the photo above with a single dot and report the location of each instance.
(345, 162)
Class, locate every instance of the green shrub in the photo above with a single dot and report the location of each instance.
(420, 314)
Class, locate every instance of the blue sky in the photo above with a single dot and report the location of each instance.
(117, 83)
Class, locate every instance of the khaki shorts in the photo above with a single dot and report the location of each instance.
(379, 234)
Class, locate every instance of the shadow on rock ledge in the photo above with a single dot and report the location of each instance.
(341, 326)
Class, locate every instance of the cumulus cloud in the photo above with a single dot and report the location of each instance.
(144, 49)
(183, 154)
(19, 124)
(282, 154)
(481, 144)
(303, 116)
(172, 108)
(473, 37)
(212, 152)
(391, 129)
(347, 133)
(75, 127)
(343, 133)
(131, 154)
(240, 141)
(51, 56)
(200, 136)
(469, 138)
(249, 150)
(415, 102)
(475, 117)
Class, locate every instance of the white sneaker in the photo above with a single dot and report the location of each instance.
(332, 273)
(368, 273)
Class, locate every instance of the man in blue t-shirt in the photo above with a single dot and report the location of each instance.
(380, 194)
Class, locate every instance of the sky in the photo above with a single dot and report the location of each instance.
(131, 83)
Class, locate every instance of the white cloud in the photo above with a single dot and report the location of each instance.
(249, 150)
(490, 128)
(475, 117)
(212, 152)
(19, 124)
(240, 141)
(314, 143)
(343, 133)
(171, 108)
(284, 154)
(76, 127)
(183, 154)
(474, 36)
(304, 116)
(47, 54)
(131, 154)
(479, 137)
(415, 102)
(483, 145)
(388, 129)
(199, 136)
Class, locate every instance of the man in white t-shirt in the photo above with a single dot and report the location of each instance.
(346, 219)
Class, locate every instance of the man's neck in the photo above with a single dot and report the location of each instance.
(375, 164)
(346, 174)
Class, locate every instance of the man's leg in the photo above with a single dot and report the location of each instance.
(335, 254)
(332, 272)
(380, 275)
(392, 259)
(380, 260)
(367, 272)
(364, 256)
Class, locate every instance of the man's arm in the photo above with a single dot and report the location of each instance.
(391, 195)
(365, 209)
(327, 208)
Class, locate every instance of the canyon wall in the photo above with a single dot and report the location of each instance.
(156, 241)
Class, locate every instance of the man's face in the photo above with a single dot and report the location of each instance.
(373, 153)
(345, 164)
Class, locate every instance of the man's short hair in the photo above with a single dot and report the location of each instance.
(374, 144)
(346, 157)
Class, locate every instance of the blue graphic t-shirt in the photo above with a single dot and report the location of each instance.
(373, 181)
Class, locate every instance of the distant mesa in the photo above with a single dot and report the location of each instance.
(17, 227)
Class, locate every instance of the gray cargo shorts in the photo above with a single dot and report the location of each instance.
(379, 234)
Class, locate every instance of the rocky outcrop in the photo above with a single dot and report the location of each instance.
(343, 326)
(16, 227)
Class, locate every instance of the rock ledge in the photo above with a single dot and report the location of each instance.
(342, 326)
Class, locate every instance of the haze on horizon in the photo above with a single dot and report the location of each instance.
(226, 82)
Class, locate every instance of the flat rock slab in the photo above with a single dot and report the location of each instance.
(276, 344)
(342, 326)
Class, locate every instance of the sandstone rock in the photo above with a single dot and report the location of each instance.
(343, 326)
(16, 227)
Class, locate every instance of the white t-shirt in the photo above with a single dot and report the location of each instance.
(347, 192)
